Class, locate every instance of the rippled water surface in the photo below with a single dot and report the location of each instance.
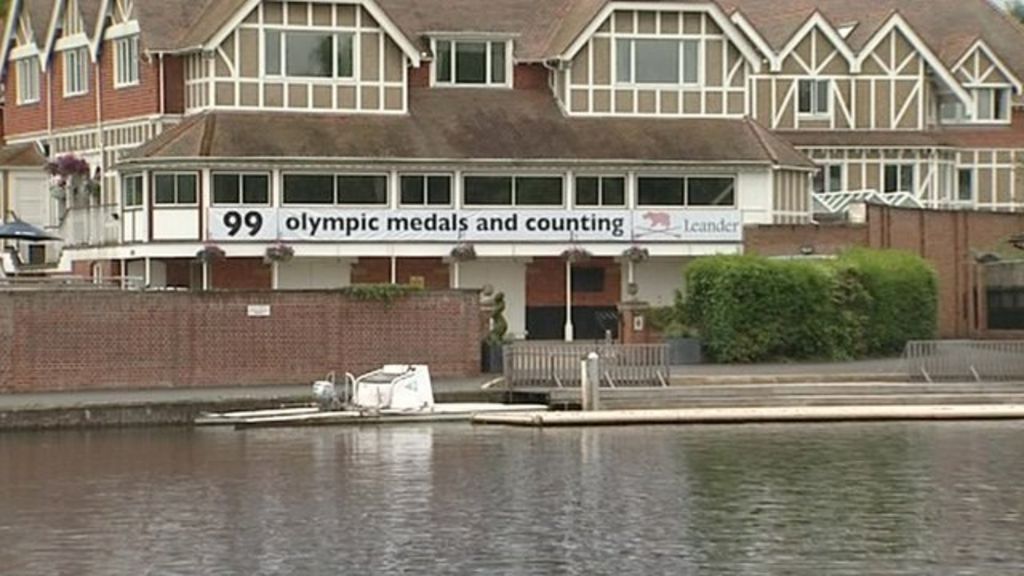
(453, 499)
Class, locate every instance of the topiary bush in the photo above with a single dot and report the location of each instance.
(754, 309)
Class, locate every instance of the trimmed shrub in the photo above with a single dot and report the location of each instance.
(753, 309)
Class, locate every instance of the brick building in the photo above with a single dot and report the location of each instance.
(389, 140)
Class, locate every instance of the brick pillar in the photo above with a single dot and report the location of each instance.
(634, 327)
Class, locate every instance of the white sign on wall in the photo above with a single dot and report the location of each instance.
(348, 225)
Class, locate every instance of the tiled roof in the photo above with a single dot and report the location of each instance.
(21, 156)
(472, 125)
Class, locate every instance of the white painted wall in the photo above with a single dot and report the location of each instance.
(175, 224)
(755, 196)
(657, 279)
(506, 275)
(314, 273)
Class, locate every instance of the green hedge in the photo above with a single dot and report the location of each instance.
(753, 309)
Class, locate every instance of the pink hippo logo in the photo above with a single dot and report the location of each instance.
(656, 220)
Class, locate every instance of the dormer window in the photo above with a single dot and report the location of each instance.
(472, 62)
(309, 54)
(28, 81)
(993, 104)
(76, 72)
(656, 61)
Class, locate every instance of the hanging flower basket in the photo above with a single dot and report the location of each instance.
(279, 253)
(73, 176)
(210, 253)
(576, 254)
(58, 192)
(464, 252)
(68, 166)
(1017, 241)
(636, 254)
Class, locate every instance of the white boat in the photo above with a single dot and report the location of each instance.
(395, 393)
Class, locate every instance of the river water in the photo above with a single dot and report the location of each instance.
(942, 498)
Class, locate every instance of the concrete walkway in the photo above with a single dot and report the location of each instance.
(860, 367)
(293, 393)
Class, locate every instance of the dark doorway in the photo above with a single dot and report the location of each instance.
(589, 322)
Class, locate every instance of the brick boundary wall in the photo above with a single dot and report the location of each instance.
(70, 341)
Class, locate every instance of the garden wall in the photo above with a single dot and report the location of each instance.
(114, 340)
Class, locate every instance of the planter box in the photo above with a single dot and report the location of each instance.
(684, 351)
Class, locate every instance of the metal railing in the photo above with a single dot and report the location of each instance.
(68, 282)
(965, 361)
(839, 202)
(557, 364)
(91, 226)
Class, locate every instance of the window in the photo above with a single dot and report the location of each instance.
(648, 61)
(308, 189)
(28, 81)
(692, 191)
(241, 188)
(309, 54)
(517, 190)
(587, 280)
(600, 191)
(829, 179)
(362, 189)
(330, 189)
(172, 189)
(899, 178)
(434, 190)
(126, 54)
(76, 72)
(815, 96)
(992, 104)
(132, 191)
(965, 185)
(468, 62)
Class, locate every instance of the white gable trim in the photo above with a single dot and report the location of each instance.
(897, 22)
(370, 6)
(101, 25)
(51, 30)
(980, 44)
(816, 22)
(13, 21)
(711, 9)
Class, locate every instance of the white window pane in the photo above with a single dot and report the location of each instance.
(498, 62)
(309, 54)
(822, 97)
(984, 104)
(691, 62)
(345, 56)
(624, 60)
(273, 52)
(657, 61)
(444, 61)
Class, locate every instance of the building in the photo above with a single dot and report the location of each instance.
(570, 153)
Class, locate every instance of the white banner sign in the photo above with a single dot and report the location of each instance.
(347, 225)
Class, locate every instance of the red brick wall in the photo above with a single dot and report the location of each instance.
(545, 283)
(23, 119)
(174, 85)
(784, 240)
(140, 100)
(241, 274)
(434, 271)
(371, 271)
(420, 77)
(113, 340)
(530, 77)
(74, 110)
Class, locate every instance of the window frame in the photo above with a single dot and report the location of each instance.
(489, 69)
(816, 110)
(426, 189)
(176, 204)
(126, 62)
(900, 167)
(601, 205)
(973, 173)
(999, 104)
(631, 77)
(31, 65)
(825, 172)
(686, 191)
(241, 174)
(140, 178)
(334, 195)
(515, 191)
(79, 66)
(282, 46)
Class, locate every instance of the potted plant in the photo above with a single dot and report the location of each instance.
(278, 253)
(636, 254)
(576, 254)
(71, 176)
(494, 345)
(463, 252)
(210, 253)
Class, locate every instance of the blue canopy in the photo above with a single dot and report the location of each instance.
(18, 229)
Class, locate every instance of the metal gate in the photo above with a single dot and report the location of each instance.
(557, 364)
(965, 361)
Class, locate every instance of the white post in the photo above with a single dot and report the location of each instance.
(591, 382)
(274, 275)
(147, 279)
(124, 274)
(206, 275)
(455, 274)
(631, 271)
(394, 269)
(569, 337)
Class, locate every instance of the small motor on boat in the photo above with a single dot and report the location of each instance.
(325, 393)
